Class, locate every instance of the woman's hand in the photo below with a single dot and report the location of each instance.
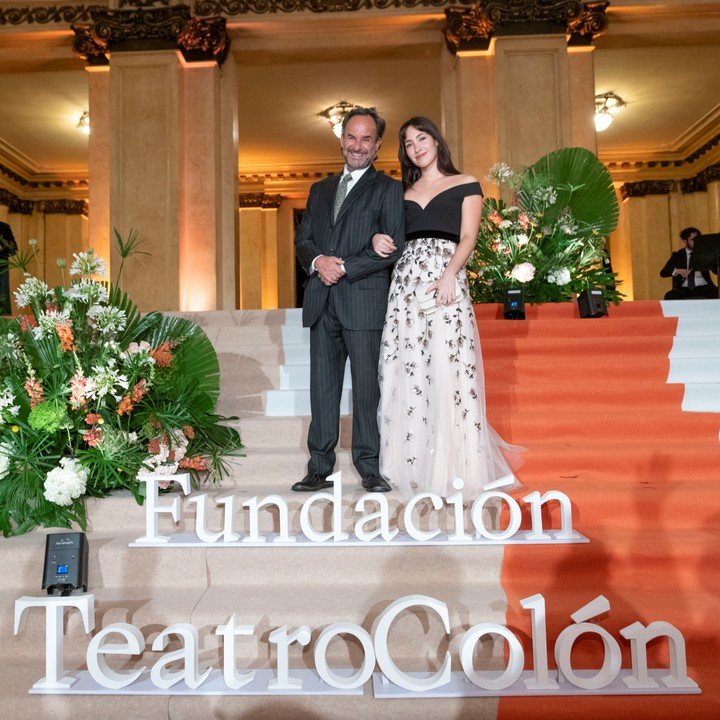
(445, 287)
(383, 245)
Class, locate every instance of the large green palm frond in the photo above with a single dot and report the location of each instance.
(194, 358)
(583, 186)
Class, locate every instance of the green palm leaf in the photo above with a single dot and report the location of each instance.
(194, 358)
(583, 184)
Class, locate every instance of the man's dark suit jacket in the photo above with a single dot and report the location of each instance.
(374, 204)
(678, 260)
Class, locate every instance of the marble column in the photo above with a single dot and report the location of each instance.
(173, 168)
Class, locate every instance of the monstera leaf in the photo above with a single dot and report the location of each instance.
(583, 186)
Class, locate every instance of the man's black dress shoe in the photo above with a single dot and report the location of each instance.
(312, 482)
(374, 483)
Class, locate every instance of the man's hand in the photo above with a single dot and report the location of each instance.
(328, 269)
(683, 272)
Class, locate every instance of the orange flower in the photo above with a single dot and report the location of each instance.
(67, 338)
(93, 437)
(35, 392)
(92, 418)
(125, 406)
(154, 446)
(162, 354)
(189, 432)
(139, 390)
(198, 463)
(26, 322)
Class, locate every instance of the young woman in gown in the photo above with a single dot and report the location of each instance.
(432, 420)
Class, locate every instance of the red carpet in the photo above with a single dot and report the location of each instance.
(589, 400)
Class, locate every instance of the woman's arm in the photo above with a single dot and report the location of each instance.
(469, 226)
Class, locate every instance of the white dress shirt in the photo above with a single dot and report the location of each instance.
(355, 175)
(699, 279)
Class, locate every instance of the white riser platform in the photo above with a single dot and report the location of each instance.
(695, 355)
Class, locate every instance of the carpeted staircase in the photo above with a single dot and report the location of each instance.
(599, 405)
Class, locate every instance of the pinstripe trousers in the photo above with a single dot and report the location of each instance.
(330, 346)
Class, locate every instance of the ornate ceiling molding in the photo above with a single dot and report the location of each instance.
(146, 27)
(62, 206)
(646, 187)
(472, 28)
(263, 7)
(259, 200)
(44, 15)
(16, 204)
(700, 182)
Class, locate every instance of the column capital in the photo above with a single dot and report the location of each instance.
(259, 200)
(646, 187)
(472, 28)
(145, 26)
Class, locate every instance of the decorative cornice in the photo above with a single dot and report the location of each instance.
(16, 204)
(45, 15)
(700, 182)
(646, 187)
(472, 28)
(27, 207)
(67, 207)
(35, 184)
(259, 200)
(263, 7)
(141, 3)
(146, 28)
(205, 39)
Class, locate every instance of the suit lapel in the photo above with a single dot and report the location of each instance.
(362, 186)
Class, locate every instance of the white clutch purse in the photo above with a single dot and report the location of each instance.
(427, 302)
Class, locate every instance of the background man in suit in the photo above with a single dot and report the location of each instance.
(346, 297)
(687, 283)
(7, 248)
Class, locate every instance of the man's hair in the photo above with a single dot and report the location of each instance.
(685, 233)
(372, 112)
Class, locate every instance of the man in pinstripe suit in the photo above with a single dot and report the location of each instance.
(346, 297)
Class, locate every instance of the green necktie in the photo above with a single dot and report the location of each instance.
(340, 195)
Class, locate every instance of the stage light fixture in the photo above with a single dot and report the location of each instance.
(66, 563)
(514, 306)
(591, 303)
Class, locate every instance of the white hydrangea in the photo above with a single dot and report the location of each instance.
(65, 483)
(523, 272)
(87, 264)
(559, 277)
(32, 290)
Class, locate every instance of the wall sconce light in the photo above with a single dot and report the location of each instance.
(606, 105)
(335, 115)
(84, 123)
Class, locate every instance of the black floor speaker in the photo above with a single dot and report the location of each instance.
(591, 303)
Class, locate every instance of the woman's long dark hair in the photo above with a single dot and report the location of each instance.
(410, 171)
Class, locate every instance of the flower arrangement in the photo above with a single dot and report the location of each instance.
(550, 240)
(92, 393)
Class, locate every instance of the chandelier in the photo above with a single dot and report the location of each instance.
(335, 114)
(84, 123)
(606, 105)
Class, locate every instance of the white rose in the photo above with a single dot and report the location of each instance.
(523, 272)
